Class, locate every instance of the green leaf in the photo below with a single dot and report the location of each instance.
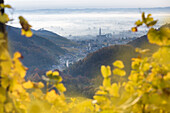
(148, 20)
(5, 6)
(138, 23)
(152, 23)
(8, 6)
(149, 15)
(143, 17)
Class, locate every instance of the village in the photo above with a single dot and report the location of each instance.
(87, 46)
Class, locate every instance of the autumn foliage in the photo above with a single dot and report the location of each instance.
(147, 89)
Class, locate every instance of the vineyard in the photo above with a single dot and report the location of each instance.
(146, 91)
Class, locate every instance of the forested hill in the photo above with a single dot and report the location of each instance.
(143, 43)
(55, 38)
(90, 66)
(38, 51)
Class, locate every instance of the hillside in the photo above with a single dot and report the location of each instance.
(55, 38)
(143, 43)
(90, 66)
(37, 51)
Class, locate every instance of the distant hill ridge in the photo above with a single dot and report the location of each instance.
(39, 51)
(90, 66)
(55, 38)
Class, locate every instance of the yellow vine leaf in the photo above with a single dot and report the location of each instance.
(146, 67)
(99, 98)
(58, 78)
(133, 77)
(155, 99)
(101, 92)
(40, 85)
(136, 63)
(114, 90)
(49, 72)
(106, 72)
(17, 55)
(55, 73)
(28, 85)
(97, 108)
(38, 106)
(18, 87)
(118, 64)
(1, 108)
(124, 83)
(2, 95)
(5, 61)
(5, 82)
(28, 33)
(167, 77)
(60, 87)
(23, 32)
(51, 96)
(163, 56)
(138, 23)
(119, 72)
(38, 93)
(160, 37)
(18, 67)
(8, 107)
(4, 18)
(26, 27)
(107, 82)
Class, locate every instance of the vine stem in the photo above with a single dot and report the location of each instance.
(143, 108)
(3, 28)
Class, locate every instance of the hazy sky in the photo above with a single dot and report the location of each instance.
(54, 4)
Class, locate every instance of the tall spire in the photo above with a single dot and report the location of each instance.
(100, 32)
